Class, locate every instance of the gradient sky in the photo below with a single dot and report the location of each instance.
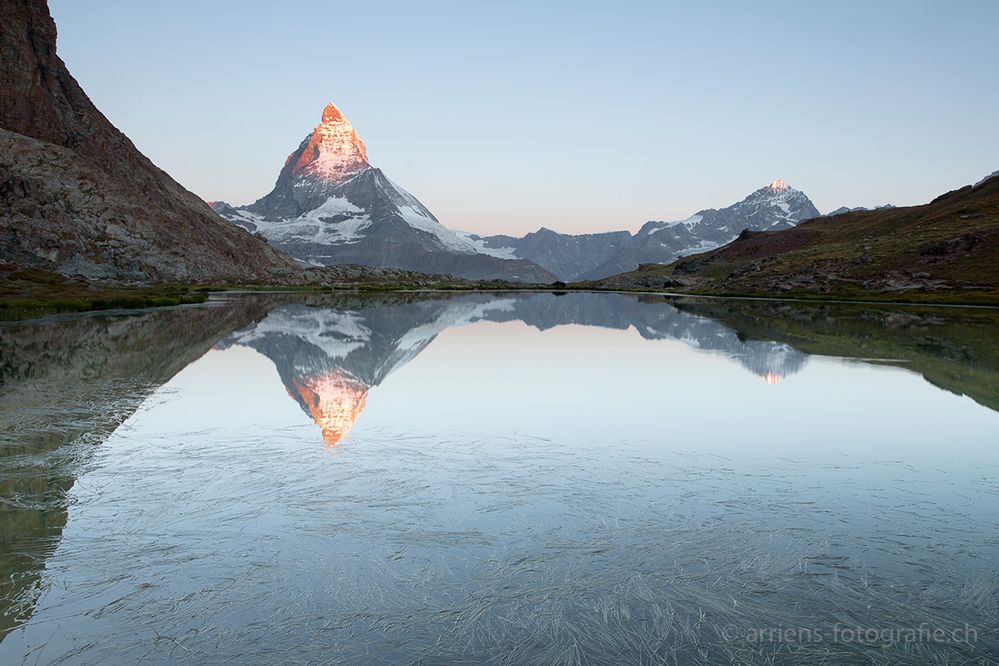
(580, 116)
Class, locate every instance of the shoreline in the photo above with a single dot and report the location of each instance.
(81, 298)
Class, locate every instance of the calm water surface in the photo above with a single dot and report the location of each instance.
(512, 478)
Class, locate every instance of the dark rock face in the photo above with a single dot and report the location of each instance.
(79, 198)
(329, 206)
(596, 256)
(15, 187)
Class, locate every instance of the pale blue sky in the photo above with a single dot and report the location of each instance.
(579, 116)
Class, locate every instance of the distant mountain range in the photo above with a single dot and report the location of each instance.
(330, 206)
(947, 249)
(77, 198)
(593, 256)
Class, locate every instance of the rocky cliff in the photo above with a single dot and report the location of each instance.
(78, 198)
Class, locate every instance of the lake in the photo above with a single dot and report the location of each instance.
(505, 477)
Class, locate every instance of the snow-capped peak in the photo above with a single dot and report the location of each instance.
(778, 193)
(787, 206)
(778, 190)
(333, 152)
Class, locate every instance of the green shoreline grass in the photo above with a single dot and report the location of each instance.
(989, 299)
(40, 304)
(27, 294)
(19, 309)
(30, 294)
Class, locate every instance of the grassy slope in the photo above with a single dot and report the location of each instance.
(943, 251)
(27, 293)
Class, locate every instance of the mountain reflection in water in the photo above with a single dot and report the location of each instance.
(329, 358)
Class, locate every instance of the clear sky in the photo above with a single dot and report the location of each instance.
(580, 116)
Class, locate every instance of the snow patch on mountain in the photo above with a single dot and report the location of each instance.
(459, 313)
(416, 218)
(480, 246)
(336, 222)
(689, 223)
(704, 246)
(336, 333)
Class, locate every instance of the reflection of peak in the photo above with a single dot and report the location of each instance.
(772, 377)
(334, 401)
(329, 358)
(771, 360)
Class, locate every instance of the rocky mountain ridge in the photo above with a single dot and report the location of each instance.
(79, 199)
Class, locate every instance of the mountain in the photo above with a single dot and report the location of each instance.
(947, 249)
(330, 206)
(776, 206)
(78, 198)
(566, 255)
(594, 256)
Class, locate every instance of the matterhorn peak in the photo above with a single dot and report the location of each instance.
(333, 114)
(330, 206)
(333, 153)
